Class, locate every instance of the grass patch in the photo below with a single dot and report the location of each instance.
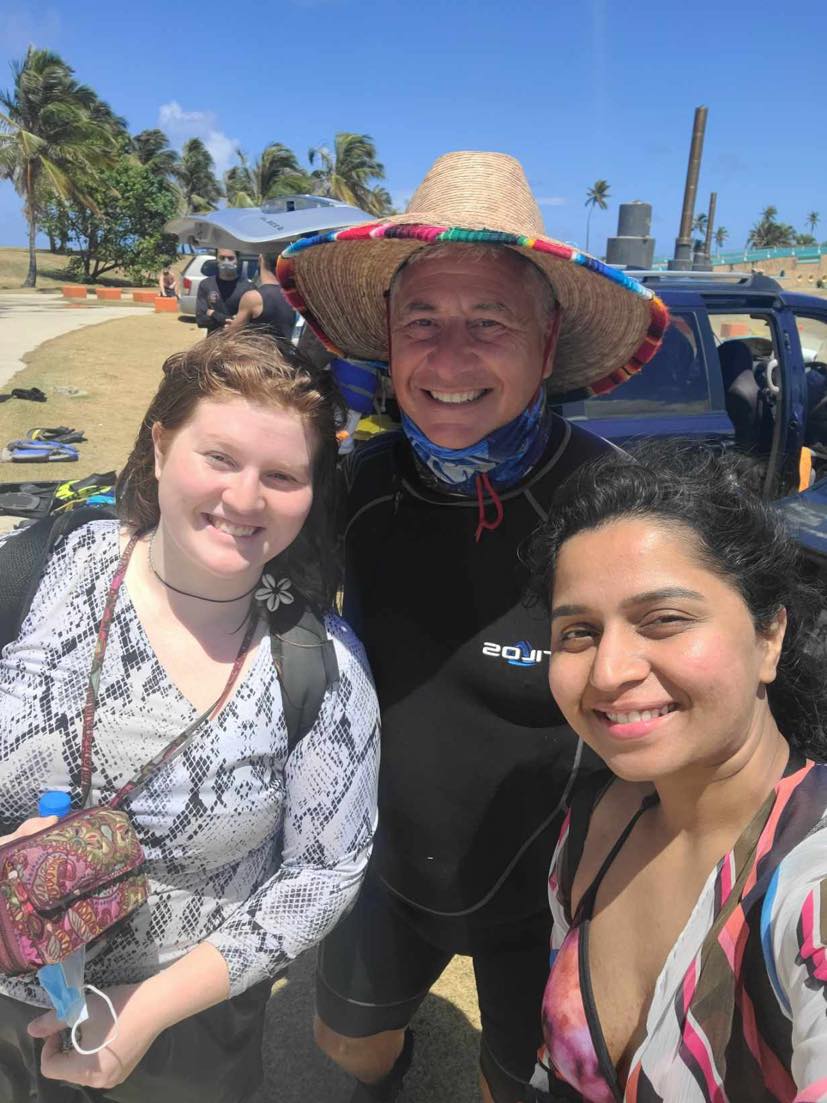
(51, 270)
(14, 264)
(118, 364)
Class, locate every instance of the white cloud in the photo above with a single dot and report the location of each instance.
(552, 200)
(179, 125)
(22, 25)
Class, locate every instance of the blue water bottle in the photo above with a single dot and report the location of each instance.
(54, 802)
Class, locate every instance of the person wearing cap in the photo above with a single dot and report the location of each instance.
(484, 322)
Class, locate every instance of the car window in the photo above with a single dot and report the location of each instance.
(812, 333)
(675, 381)
(248, 267)
(755, 329)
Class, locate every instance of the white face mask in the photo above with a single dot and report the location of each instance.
(65, 988)
(227, 269)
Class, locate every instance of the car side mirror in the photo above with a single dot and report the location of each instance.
(209, 268)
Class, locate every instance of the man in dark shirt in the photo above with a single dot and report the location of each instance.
(265, 307)
(481, 327)
(219, 296)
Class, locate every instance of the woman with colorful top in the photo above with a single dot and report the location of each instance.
(689, 884)
(253, 851)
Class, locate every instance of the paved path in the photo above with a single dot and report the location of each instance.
(28, 319)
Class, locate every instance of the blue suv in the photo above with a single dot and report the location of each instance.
(743, 365)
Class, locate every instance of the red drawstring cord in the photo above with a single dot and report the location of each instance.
(484, 483)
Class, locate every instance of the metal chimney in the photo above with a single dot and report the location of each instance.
(703, 261)
(683, 243)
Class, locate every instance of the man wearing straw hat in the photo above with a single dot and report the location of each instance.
(482, 320)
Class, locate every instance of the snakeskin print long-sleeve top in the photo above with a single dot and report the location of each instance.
(255, 851)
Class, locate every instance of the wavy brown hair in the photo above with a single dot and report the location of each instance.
(269, 372)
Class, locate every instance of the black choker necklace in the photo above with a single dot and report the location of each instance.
(185, 593)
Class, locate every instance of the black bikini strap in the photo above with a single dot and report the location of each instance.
(584, 908)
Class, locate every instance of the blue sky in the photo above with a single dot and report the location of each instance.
(576, 89)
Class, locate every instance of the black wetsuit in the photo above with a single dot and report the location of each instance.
(477, 761)
(220, 296)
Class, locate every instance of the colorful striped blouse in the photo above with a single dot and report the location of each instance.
(739, 1011)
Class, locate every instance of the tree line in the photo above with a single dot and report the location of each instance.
(103, 195)
(768, 232)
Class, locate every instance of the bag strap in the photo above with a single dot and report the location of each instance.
(176, 745)
(305, 659)
(23, 559)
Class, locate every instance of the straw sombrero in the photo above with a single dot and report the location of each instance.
(611, 325)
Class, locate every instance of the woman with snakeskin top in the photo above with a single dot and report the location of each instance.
(255, 846)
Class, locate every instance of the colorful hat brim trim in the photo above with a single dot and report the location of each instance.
(433, 235)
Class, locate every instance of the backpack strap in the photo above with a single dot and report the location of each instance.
(23, 559)
(305, 659)
(371, 474)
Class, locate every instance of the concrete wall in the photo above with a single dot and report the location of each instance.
(798, 275)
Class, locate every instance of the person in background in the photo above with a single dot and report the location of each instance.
(253, 851)
(166, 283)
(265, 307)
(219, 296)
(689, 884)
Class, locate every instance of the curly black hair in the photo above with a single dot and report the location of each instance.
(739, 536)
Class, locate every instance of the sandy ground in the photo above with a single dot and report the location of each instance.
(118, 364)
(444, 1069)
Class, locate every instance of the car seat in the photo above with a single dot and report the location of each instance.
(745, 403)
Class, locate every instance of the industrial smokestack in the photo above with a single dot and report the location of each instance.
(683, 243)
(703, 261)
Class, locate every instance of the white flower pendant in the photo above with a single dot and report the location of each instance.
(272, 594)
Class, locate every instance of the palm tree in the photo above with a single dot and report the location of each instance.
(196, 177)
(348, 170)
(54, 134)
(380, 202)
(813, 219)
(699, 223)
(721, 234)
(276, 172)
(152, 149)
(769, 234)
(596, 196)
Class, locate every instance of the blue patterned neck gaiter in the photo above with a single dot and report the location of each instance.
(506, 455)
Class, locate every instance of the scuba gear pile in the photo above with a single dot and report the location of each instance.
(37, 499)
(44, 444)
